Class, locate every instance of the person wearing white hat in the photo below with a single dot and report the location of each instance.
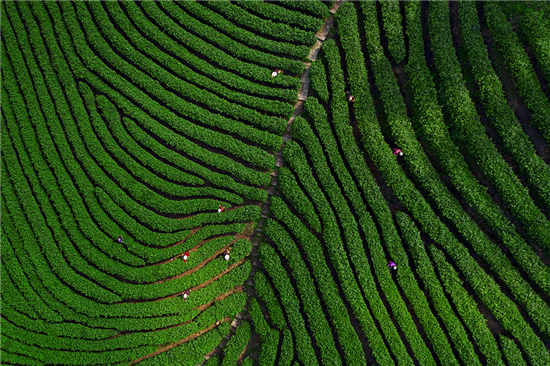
(226, 255)
(276, 72)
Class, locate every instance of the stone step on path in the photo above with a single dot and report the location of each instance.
(258, 233)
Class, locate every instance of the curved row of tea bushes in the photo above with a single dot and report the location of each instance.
(500, 113)
(380, 152)
(519, 64)
(537, 30)
(433, 129)
(477, 327)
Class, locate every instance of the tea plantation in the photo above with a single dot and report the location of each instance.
(275, 183)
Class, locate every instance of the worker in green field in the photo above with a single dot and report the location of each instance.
(397, 152)
(186, 294)
(350, 97)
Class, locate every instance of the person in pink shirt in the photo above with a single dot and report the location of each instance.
(397, 152)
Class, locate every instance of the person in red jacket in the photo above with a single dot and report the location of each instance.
(221, 209)
(397, 152)
(186, 294)
(185, 256)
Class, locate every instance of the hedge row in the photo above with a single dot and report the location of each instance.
(215, 160)
(296, 159)
(472, 132)
(260, 324)
(167, 37)
(270, 337)
(391, 16)
(213, 361)
(268, 297)
(48, 148)
(65, 330)
(287, 349)
(268, 351)
(511, 351)
(279, 31)
(273, 266)
(259, 59)
(276, 13)
(236, 344)
(138, 152)
(23, 270)
(154, 76)
(501, 115)
(192, 77)
(429, 114)
(217, 56)
(120, 287)
(318, 80)
(36, 356)
(17, 291)
(104, 138)
(292, 192)
(205, 233)
(397, 117)
(227, 282)
(243, 35)
(168, 224)
(311, 303)
(520, 66)
(140, 138)
(491, 162)
(537, 30)
(314, 7)
(471, 316)
(380, 152)
(465, 305)
(144, 46)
